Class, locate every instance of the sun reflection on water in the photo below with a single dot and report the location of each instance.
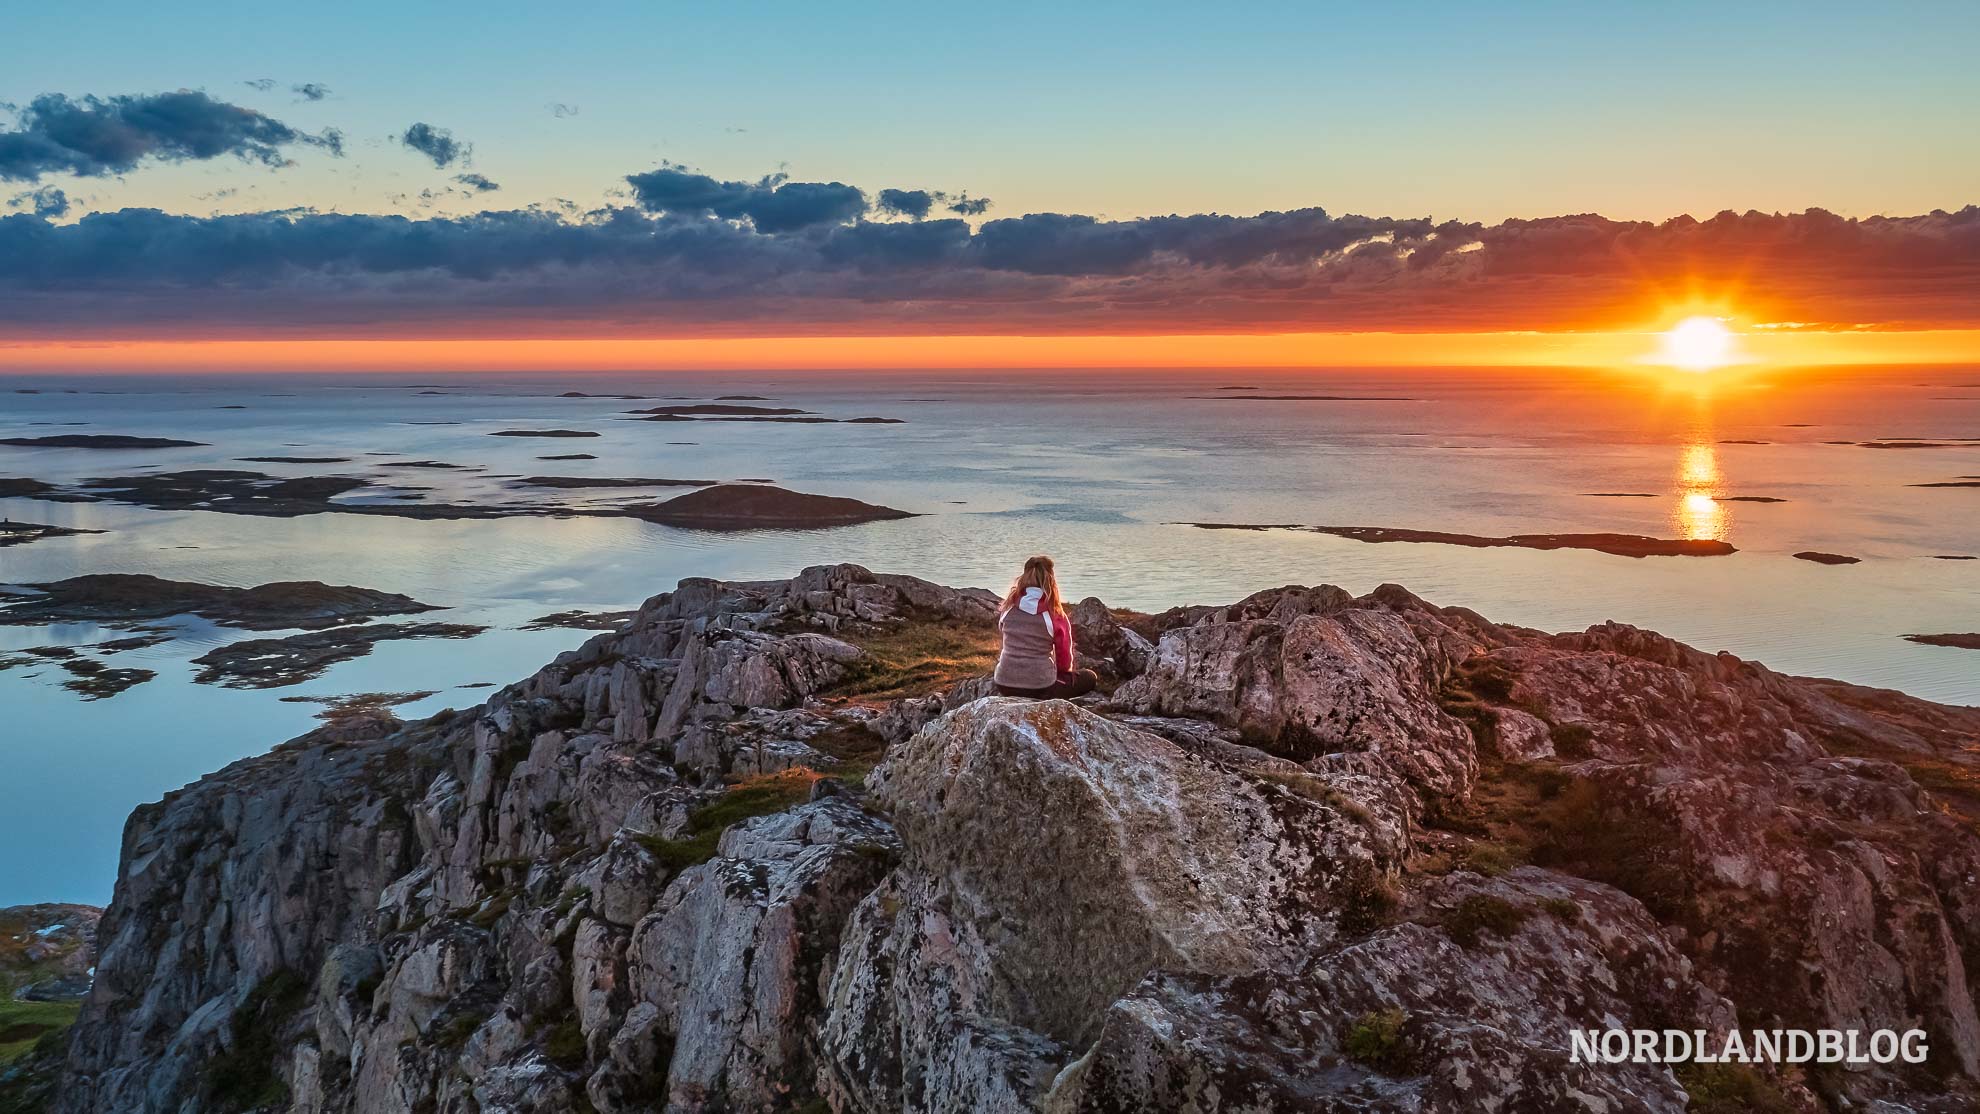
(1699, 514)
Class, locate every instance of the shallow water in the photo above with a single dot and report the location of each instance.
(1095, 468)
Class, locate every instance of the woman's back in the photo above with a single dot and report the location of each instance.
(1028, 657)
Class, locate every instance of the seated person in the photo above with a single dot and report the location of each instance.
(1036, 655)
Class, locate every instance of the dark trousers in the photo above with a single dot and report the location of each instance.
(1077, 683)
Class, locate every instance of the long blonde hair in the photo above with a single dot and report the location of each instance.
(1038, 573)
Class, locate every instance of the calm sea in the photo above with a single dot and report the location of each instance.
(1097, 469)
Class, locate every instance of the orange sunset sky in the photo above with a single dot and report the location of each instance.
(1611, 350)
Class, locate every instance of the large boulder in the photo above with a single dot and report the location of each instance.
(1100, 637)
(1308, 672)
(1139, 855)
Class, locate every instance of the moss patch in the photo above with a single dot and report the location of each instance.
(1533, 812)
(1376, 1040)
(1571, 740)
(455, 1031)
(244, 1077)
(1731, 1089)
(1486, 679)
(857, 747)
(564, 1045)
(1581, 834)
(755, 796)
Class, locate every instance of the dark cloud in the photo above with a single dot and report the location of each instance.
(476, 183)
(97, 136)
(917, 204)
(47, 202)
(310, 91)
(772, 204)
(563, 111)
(907, 203)
(799, 258)
(261, 84)
(437, 144)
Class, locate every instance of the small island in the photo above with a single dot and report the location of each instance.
(99, 441)
(1621, 545)
(1957, 641)
(264, 663)
(754, 506)
(21, 533)
(124, 598)
(578, 482)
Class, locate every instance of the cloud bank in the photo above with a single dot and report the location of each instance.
(97, 136)
(694, 255)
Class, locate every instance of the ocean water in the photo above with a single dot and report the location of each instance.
(1101, 470)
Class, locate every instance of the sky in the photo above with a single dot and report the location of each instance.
(282, 180)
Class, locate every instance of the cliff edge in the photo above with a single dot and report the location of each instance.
(770, 846)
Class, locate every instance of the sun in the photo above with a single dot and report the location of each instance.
(1698, 344)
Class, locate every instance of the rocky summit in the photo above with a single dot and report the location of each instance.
(770, 846)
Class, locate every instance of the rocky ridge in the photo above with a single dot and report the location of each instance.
(770, 846)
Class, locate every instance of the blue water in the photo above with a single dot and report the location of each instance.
(1095, 468)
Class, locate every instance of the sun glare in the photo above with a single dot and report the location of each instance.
(1698, 344)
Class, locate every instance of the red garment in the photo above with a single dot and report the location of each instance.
(1062, 643)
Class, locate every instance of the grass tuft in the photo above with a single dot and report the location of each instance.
(1319, 792)
(916, 657)
(24, 1025)
(1561, 909)
(1367, 902)
(1491, 858)
(1482, 913)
